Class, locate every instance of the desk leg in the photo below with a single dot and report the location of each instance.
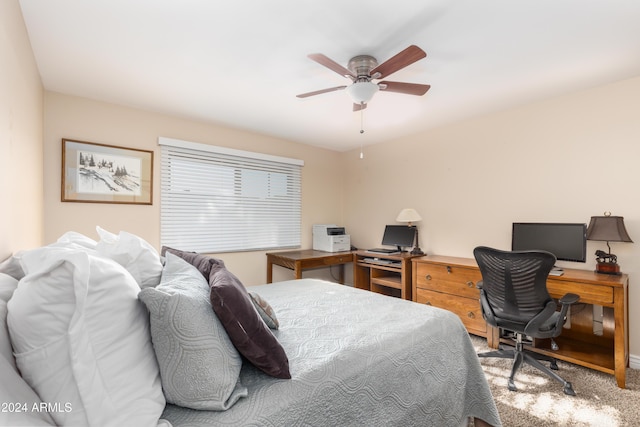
(269, 269)
(297, 269)
(620, 344)
(340, 274)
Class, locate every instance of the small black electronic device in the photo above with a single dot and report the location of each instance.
(567, 241)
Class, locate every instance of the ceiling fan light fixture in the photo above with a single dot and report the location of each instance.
(362, 92)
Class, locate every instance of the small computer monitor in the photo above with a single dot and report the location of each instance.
(399, 236)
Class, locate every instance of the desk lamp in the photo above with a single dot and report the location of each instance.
(410, 215)
(607, 228)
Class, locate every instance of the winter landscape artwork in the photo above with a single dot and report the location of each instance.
(104, 174)
(101, 173)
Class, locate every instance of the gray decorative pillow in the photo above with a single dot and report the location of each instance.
(265, 310)
(199, 365)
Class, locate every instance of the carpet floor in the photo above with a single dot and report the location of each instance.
(540, 401)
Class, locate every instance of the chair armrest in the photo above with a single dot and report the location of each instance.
(569, 299)
(566, 301)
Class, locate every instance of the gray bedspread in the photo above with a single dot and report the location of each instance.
(358, 358)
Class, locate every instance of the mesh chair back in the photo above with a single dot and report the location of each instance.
(515, 283)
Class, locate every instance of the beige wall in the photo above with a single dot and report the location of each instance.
(86, 120)
(561, 160)
(21, 93)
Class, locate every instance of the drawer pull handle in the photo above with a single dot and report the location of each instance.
(448, 269)
(428, 277)
(470, 315)
(470, 284)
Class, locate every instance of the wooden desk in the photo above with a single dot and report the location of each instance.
(449, 282)
(307, 259)
(606, 352)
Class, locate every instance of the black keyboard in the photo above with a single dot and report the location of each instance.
(382, 250)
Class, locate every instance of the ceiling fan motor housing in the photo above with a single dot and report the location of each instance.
(361, 67)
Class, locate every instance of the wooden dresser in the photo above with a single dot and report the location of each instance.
(596, 341)
(450, 283)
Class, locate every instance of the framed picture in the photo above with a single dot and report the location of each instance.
(100, 173)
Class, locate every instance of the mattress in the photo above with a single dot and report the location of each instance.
(358, 358)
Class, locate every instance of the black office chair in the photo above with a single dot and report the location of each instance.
(514, 297)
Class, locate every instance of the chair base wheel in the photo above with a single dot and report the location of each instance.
(568, 389)
(520, 356)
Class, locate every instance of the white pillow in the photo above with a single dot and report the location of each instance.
(81, 339)
(199, 365)
(19, 399)
(11, 267)
(72, 238)
(7, 286)
(23, 406)
(133, 253)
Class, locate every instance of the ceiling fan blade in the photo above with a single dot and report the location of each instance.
(358, 107)
(406, 88)
(330, 64)
(318, 92)
(406, 57)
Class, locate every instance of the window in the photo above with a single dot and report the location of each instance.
(216, 199)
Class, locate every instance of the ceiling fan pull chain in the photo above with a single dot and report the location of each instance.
(361, 127)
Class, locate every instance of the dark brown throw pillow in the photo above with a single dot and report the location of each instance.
(246, 329)
(203, 263)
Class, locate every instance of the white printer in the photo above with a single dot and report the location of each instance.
(330, 238)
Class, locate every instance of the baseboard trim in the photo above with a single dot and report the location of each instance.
(634, 361)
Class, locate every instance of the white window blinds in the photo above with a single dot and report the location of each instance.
(216, 199)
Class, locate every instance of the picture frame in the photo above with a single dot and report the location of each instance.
(102, 173)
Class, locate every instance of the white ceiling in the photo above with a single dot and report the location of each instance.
(242, 62)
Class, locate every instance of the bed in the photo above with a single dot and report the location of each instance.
(358, 358)
(355, 358)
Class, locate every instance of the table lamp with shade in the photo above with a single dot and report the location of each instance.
(607, 228)
(410, 216)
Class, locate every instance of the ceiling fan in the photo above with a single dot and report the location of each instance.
(362, 69)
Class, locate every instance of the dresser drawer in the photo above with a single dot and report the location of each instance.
(450, 279)
(467, 309)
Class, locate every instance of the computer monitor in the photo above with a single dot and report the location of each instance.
(399, 236)
(567, 241)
